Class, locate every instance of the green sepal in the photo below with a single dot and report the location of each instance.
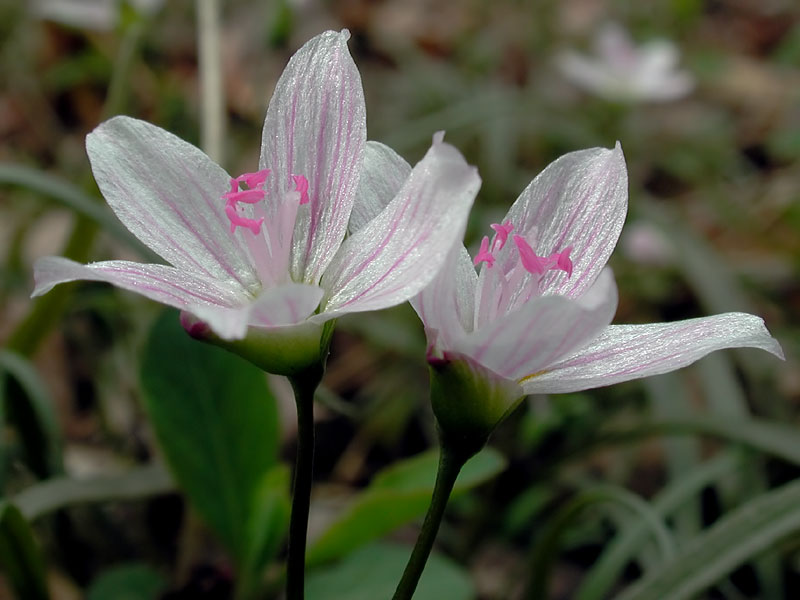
(469, 401)
(290, 350)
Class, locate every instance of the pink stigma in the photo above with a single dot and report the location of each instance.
(301, 185)
(237, 221)
(483, 254)
(501, 234)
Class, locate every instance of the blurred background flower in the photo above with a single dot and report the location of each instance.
(98, 15)
(620, 70)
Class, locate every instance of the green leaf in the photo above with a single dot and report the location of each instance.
(729, 543)
(547, 546)
(776, 439)
(30, 409)
(269, 521)
(217, 423)
(669, 397)
(373, 572)
(20, 558)
(60, 492)
(397, 496)
(134, 581)
(625, 546)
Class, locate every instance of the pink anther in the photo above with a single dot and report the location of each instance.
(238, 221)
(246, 196)
(484, 255)
(301, 185)
(501, 234)
(531, 262)
(254, 180)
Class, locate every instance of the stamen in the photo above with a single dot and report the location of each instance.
(251, 195)
(501, 234)
(246, 196)
(248, 188)
(557, 261)
(301, 185)
(531, 262)
(512, 282)
(483, 254)
(254, 180)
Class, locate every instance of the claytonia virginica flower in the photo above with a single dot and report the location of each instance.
(534, 317)
(259, 262)
(622, 71)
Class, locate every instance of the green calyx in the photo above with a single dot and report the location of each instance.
(469, 401)
(291, 351)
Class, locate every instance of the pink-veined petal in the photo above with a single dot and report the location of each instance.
(168, 194)
(280, 306)
(623, 352)
(382, 175)
(579, 200)
(543, 330)
(161, 283)
(446, 305)
(399, 252)
(316, 127)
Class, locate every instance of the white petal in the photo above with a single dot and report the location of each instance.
(316, 127)
(658, 56)
(400, 251)
(382, 175)
(168, 193)
(161, 283)
(579, 200)
(285, 305)
(624, 352)
(543, 330)
(276, 307)
(99, 15)
(446, 306)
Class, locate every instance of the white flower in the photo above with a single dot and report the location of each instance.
(621, 71)
(536, 317)
(264, 255)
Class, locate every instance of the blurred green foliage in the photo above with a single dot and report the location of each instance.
(714, 225)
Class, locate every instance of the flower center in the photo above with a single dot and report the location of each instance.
(246, 206)
(248, 188)
(516, 277)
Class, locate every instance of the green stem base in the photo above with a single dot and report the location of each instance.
(451, 460)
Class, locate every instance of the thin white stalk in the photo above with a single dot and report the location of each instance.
(212, 95)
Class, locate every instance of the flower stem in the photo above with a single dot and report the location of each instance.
(304, 385)
(451, 460)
